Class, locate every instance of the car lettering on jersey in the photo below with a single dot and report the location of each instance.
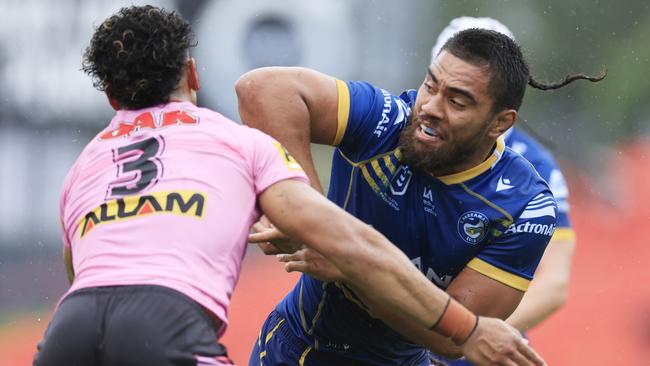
(147, 120)
(473, 226)
(186, 203)
(528, 227)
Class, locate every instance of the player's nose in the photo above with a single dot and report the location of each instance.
(433, 107)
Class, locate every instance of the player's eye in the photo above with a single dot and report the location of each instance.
(456, 103)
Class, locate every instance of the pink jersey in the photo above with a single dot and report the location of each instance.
(166, 196)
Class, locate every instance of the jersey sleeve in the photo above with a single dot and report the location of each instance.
(369, 120)
(547, 167)
(512, 257)
(273, 163)
(558, 186)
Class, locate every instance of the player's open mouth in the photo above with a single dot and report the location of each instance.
(428, 133)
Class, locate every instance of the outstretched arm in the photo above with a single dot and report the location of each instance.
(384, 277)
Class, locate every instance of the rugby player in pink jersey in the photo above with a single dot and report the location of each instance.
(156, 213)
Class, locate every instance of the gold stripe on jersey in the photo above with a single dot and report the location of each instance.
(270, 334)
(395, 152)
(376, 168)
(507, 222)
(564, 234)
(368, 178)
(343, 111)
(301, 362)
(379, 172)
(350, 296)
(475, 171)
(389, 164)
(319, 310)
(349, 192)
(497, 274)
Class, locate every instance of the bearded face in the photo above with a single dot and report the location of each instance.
(452, 126)
(443, 157)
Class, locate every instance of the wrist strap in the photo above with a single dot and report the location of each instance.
(456, 322)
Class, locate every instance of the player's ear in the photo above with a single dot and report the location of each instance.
(192, 74)
(114, 103)
(502, 122)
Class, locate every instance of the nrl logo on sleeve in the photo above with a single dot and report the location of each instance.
(184, 203)
(401, 181)
(473, 226)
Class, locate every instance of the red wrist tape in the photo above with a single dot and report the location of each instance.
(456, 322)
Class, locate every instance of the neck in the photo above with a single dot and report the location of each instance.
(476, 157)
(182, 96)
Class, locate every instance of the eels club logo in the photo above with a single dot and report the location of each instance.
(473, 227)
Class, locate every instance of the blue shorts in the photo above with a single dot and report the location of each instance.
(277, 345)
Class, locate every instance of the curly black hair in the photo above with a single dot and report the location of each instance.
(137, 55)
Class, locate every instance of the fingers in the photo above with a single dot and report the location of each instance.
(530, 354)
(517, 359)
(259, 227)
(265, 236)
(266, 222)
(268, 248)
(297, 266)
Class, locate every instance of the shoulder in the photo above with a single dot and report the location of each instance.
(513, 183)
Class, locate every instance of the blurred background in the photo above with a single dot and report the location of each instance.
(599, 132)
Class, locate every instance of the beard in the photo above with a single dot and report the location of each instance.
(437, 161)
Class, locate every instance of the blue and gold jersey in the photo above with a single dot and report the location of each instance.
(495, 218)
(547, 167)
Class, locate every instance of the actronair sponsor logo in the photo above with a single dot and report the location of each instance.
(185, 203)
(528, 227)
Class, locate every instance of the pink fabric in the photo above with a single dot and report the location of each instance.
(134, 239)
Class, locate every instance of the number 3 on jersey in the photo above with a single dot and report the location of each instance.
(138, 167)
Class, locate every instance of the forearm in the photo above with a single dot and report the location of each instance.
(415, 333)
(370, 264)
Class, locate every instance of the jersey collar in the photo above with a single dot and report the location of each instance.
(477, 170)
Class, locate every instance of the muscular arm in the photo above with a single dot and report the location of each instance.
(482, 295)
(549, 290)
(294, 105)
(370, 264)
